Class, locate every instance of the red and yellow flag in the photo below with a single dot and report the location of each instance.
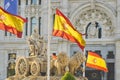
(96, 61)
(63, 28)
(11, 23)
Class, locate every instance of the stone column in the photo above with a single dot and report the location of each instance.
(118, 20)
(2, 67)
(5, 62)
(117, 61)
(117, 58)
(22, 13)
(44, 18)
(29, 20)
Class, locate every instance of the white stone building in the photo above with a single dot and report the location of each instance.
(103, 16)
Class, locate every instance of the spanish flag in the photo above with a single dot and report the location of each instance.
(96, 61)
(11, 23)
(63, 28)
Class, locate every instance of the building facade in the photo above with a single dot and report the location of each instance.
(98, 19)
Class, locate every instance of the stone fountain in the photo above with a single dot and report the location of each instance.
(34, 67)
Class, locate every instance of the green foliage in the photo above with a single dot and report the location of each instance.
(68, 76)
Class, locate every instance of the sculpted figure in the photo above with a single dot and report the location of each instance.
(60, 63)
(75, 61)
(92, 30)
(108, 31)
(31, 46)
(36, 43)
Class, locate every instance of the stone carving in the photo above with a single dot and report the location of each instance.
(36, 63)
(22, 66)
(36, 44)
(32, 10)
(60, 63)
(64, 63)
(108, 31)
(35, 66)
(92, 31)
(97, 15)
(75, 61)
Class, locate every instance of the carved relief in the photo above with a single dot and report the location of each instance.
(92, 31)
(96, 15)
(32, 10)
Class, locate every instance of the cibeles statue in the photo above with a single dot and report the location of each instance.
(36, 44)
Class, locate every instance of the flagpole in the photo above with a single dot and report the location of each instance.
(84, 65)
(48, 44)
(84, 51)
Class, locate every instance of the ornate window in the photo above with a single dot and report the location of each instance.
(26, 27)
(19, 2)
(39, 2)
(110, 74)
(33, 2)
(53, 18)
(5, 33)
(8, 33)
(97, 24)
(111, 66)
(33, 24)
(26, 2)
(110, 55)
(93, 30)
(39, 25)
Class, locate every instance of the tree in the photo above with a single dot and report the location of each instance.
(68, 76)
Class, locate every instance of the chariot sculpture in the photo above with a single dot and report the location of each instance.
(34, 67)
(36, 63)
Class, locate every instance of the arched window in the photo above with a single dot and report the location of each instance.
(33, 24)
(33, 2)
(26, 2)
(5, 33)
(39, 2)
(110, 55)
(93, 30)
(26, 27)
(8, 33)
(19, 2)
(111, 66)
(39, 25)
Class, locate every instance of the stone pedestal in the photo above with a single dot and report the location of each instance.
(41, 78)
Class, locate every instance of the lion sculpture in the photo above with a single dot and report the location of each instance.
(60, 63)
(75, 61)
